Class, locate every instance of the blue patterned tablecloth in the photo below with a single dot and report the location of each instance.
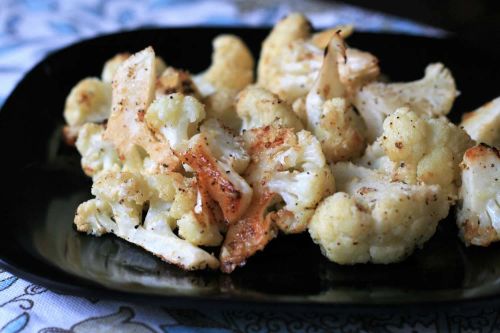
(31, 28)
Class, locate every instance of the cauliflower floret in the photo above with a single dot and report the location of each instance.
(434, 95)
(176, 81)
(374, 219)
(112, 65)
(478, 216)
(293, 27)
(302, 62)
(232, 64)
(176, 118)
(231, 71)
(322, 38)
(225, 147)
(329, 116)
(214, 155)
(425, 149)
(133, 92)
(483, 124)
(120, 199)
(88, 102)
(289, 177)
(258, 107)
(97, 154)
(291, 59)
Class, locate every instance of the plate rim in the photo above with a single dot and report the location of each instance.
(188, 301)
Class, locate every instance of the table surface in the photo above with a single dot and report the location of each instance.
(30, 29)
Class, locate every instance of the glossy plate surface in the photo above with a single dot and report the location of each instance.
(42, 184)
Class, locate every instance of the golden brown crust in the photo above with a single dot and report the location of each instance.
(176, 81)
(133, 90)
(478, 152)
(480, 236)
(211, 176)
(248, 235)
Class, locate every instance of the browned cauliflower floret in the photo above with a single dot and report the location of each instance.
(231, 71)
(176, 81)
(88, 102)
(483, 124)
(120, 200)
(432, 95)
(322, 38)
(258, 107)
(112, 65)
(329, 115)
(425, 149)
(293, 27)
(478, 215)
(133, 92)
(375, 219)
(291, 59)
(289, 177)
(215, 155)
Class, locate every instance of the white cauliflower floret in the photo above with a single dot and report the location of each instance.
(225, 147)
(432, 95)
(291, 59)
(176, 118)
(133, 92)
(258, 107)
(478, 216)
(232, 64)
(215, 155)
(88, 102)
(112, 65)
(329, 116)
(120, 199)
(97, 154)
(231, 71)
(483, 124)
(289, 177)
(424, 149)
(374, 219)
(293, 27)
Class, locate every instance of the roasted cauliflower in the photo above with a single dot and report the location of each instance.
(258, 107)
(97, 154)
(434, 95)
(176, 81)
(291, 59)
(133, 92)
(215, 155)
(175, 117)
(483, 124)
(289, 177)
(112, 65)
(231, 71)
(120, 200)
(329, 115)
(425, 149)
(181, 162)
(373, 218)
(478, 215)
(88, 102)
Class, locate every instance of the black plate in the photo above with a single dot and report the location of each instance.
(42, 184)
